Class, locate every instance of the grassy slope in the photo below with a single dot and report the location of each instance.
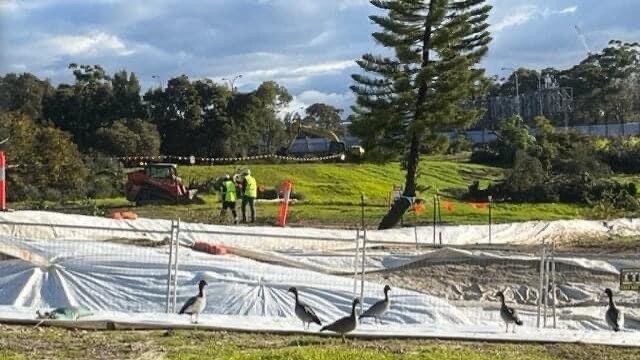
(332, 193)
(26, 343)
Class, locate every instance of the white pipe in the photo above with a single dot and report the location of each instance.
(175, 275)
(355, 264)
(541, 282)
(169, 270)
(553, 281)
(364, 252)
(546, 289)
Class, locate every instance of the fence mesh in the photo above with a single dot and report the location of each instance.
(135, 269)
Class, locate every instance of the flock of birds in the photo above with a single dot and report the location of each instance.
(195, 305)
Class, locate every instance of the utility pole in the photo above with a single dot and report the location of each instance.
(232, 82)
(159, 80)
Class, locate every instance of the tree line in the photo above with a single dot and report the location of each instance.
(109, 115)
(64, 136)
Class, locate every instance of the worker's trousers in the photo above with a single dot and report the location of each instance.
(247, 200)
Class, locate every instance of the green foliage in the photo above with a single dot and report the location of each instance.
(49, 161)
(134, 137)
(106, 177)
(325, 117)
(461, 143)
(622, 154)
(436, 145)
(24, 93)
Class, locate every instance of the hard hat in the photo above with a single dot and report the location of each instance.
(227, 177)
(246, 172)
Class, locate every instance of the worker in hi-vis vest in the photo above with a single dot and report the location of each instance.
(229, 198)
(249, 196)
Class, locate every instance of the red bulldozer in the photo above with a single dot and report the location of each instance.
(158, 184)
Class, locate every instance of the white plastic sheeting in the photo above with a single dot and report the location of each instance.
(125, 278)
(272, 238)
(127, 284)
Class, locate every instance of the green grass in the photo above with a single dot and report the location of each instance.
(332, 194)
(51, 343)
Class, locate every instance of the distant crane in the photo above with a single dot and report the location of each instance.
(583, 39)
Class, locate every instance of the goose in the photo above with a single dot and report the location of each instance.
(304, 312)
(378, 309)
(346, 324)
(613, 314)
(508, 314)
(195, 305)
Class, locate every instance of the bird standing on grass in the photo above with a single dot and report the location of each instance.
(304, 312)
(508, 314)
(378, 309)
(346, 324)
(196, 304)
(613, 315)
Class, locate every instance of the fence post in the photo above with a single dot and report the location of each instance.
(540, 290)
(355, 264)
(435, 219)
(3, 188)
(175, 274)
(546, 288)
(364, 254)
(490, 217)
(170, 264)
(553, 281)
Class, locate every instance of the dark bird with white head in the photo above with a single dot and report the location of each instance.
(508, 314)
(303, 311)
(346, 324)
(613, 316)
(378, 309)
(195, 305)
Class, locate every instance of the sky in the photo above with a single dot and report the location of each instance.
(309, 46)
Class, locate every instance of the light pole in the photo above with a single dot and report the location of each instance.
(232, 82)
(515, 72)
(159, 80)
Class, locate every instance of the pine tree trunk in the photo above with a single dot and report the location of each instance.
(393, 217)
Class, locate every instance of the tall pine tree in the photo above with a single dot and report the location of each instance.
(424, 85)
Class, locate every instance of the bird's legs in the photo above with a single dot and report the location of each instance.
(344, 340)
(507, 328)
(513, 329)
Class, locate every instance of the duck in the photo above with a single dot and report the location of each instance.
(508, 314)
(613, 314)
(304, 312)
(346, 324)
(195, 305)
(378, 309)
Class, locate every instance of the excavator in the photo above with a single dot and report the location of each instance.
(158, 183)
(318, 147)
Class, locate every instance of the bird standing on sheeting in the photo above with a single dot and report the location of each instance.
(196, 304)
(346, 324)
(378, 309)
(613, 314)
(508, 314)
(304, 312)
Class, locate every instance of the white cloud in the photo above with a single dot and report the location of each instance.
(91, 44)
(321, 39)
(518, 17)
(310, 97)
(526, 13)
(297, 74)
(568, 10)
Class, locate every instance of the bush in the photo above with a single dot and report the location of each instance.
(461, 143)
(622, 155)
(436, 145)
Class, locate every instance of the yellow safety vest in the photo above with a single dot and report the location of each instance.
(252, 187)
(229, 191)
